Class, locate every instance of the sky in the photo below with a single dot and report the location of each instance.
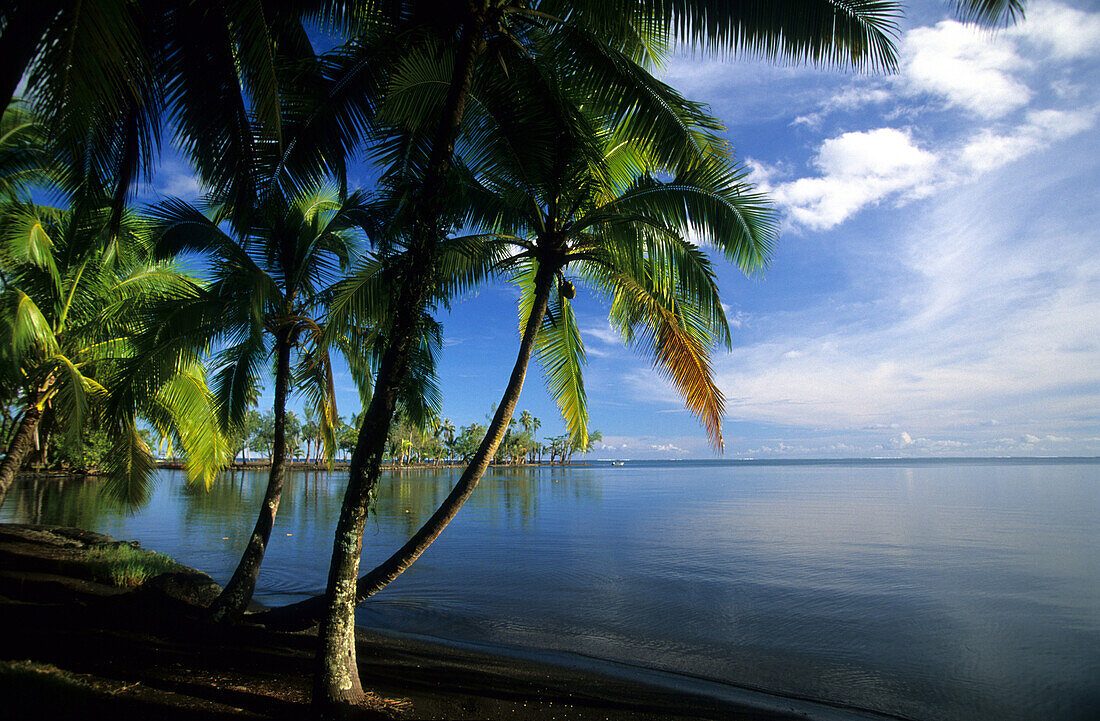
(936, 287)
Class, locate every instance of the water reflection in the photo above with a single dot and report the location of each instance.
(410, 495)
(932, 591)
(62, 500)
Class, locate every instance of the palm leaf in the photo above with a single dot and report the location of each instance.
(26, 327)
(560, 352)
(186, 408)
(73, 393)
(678, 338)
(129, 466)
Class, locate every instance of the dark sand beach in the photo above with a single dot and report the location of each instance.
(78, 648)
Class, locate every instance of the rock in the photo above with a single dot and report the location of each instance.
(194, 588)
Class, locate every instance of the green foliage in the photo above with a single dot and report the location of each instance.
(468, 439)
(621, 204)
(125, 566)
(263, 434)
(85, 336)
(347, 434)
(270, 269)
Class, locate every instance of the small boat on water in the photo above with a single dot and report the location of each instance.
(618, 463)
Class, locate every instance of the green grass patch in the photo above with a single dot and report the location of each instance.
(126, 566)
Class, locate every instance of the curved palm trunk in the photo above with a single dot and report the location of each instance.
(337, 688)
(396, 564)
(336, 685)
(305, 614)
(21, 445)
(237, 593)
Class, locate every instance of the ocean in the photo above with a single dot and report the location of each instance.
(916, 589)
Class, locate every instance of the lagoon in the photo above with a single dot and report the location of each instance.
(947, 589)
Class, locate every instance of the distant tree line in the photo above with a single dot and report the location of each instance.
(437, 441)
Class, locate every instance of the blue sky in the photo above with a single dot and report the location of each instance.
(936, 290)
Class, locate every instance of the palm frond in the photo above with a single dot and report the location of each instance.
(129, 467)
(678, 337)
(27, 330)
(561, 354)
(73, 394)
(185, 407)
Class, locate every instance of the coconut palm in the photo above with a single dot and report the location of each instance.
(207, 65)
(206, 69)
(266, 301)
(82, 316)
(23, 160)
(597, 211)
(593, 205)
(481, 44)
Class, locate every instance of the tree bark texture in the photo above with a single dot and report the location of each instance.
(21, 444)
(237, 593)
(337, 688)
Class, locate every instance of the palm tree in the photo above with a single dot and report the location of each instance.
(266, 298)
(582, 446)
(82, 319)
(23, 159)
(596, 207)
(310, 430)
(536, 424)
(447, 436)
(209, 70)
(604, 42)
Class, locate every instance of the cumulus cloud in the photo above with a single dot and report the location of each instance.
(985, 75)
(994, 316)
(977, 312)
(862, 169)
(1066, 32)
(857, 169)
(966, 67)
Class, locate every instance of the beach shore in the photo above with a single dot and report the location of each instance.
(75, 647)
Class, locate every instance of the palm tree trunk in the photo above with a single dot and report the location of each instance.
(336, 685)
(237, 593)
(21, 444)
(305, 614)
(396, 564)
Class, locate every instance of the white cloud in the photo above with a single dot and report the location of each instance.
(602, 333)
(967, 67)
(850, 98)
(177, 180)
(991, 149)
(861, 169)
(1066, 32)
(857, 169)
(971, 315)
(994, 314)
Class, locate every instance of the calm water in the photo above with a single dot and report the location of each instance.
(943, 590)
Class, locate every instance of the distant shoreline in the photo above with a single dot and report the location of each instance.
(344, 465)
(259, 465)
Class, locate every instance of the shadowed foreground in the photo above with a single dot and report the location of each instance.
(75, 647)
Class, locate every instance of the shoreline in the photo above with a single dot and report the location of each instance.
(299, 466)
(72, 639)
